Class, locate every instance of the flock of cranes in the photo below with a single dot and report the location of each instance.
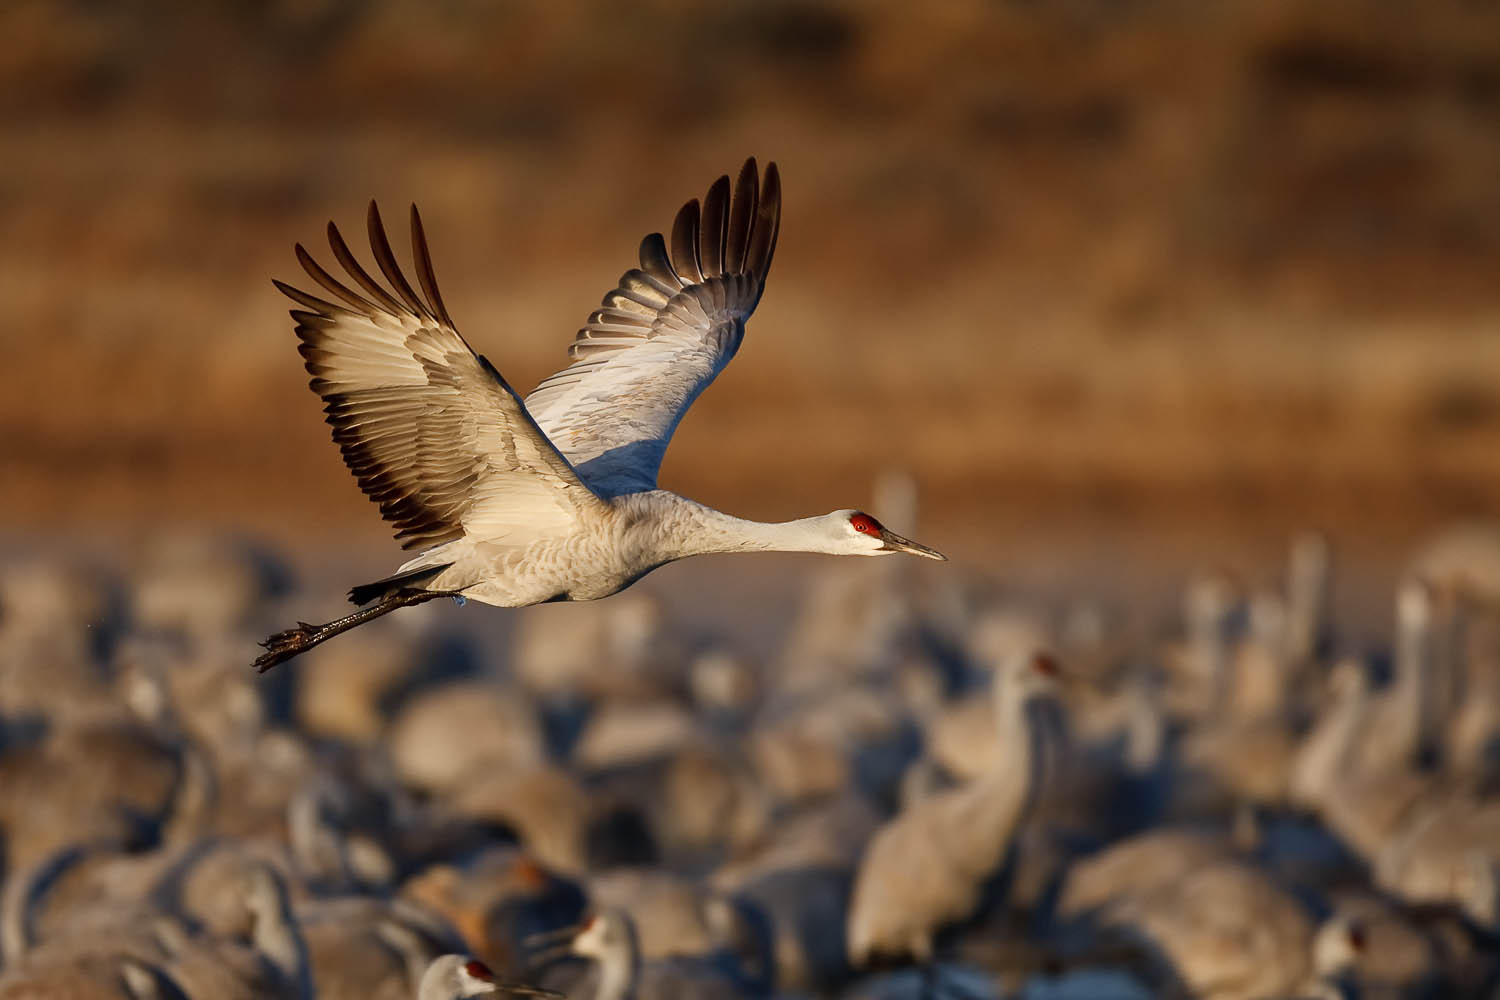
(926, 789)
(929, 787)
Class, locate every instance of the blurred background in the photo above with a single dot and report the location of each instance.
(1173, 323)
(1119, 283)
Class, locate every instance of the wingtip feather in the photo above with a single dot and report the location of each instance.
(766, 226)
(714, 227)
(685, 243)
(385, 259)
(426, 274)
(355, 270)
(741, 216)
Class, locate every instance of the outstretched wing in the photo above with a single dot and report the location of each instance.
(429, 428)
(659, 339)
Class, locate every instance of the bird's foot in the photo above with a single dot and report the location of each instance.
(284, 645)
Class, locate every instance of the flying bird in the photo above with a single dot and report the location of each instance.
(553, 497)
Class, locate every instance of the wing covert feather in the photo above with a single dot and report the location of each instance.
(662, 335)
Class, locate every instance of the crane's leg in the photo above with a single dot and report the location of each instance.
(284, 645)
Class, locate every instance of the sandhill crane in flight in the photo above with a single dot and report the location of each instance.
(551, 498)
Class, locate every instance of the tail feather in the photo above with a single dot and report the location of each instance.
(367, 592)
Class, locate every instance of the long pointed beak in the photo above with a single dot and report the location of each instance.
(895, 543)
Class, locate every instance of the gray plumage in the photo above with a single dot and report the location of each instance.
(926, 867)
(554, 497)
(659, 338)
(274, 965)
(364, 948)
(92, 978)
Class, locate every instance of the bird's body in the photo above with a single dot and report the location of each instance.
(926, 868)
(364, 948)
(551, 498)
(633, 535)
(273, 965)
(1224, 930)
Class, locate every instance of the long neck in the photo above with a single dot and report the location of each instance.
(275, 935)
(1307, 596)
(1208, 604)
(1145, 729)
(1032, 736)
(1413, 682)
(691, 529)
(619, 970)
(438, 982)
(1326, 754)
(414, 953)
(995, 803)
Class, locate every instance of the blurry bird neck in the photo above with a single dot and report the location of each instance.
(1329, 755)
(275, 935)
(1026, 732)
(620, 970)
(1421, 686)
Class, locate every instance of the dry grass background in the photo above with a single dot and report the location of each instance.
(1184, 275)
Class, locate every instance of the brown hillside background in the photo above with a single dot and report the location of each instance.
(1111, 279)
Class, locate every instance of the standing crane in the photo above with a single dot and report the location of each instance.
(552, 498)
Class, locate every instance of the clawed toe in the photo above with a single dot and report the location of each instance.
(284, 645)
(292, 637)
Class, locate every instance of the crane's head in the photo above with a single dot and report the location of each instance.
(477, 979)
(595, 936)
(602, 935)
(457, 976)
(862, 535)
(1028, 675)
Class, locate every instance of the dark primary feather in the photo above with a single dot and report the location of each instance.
(425, 273)
(745, 203)
(392, 271)
(714, 232)
(357, 272)
(685, 244)
(767, 226)
(427, 426)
